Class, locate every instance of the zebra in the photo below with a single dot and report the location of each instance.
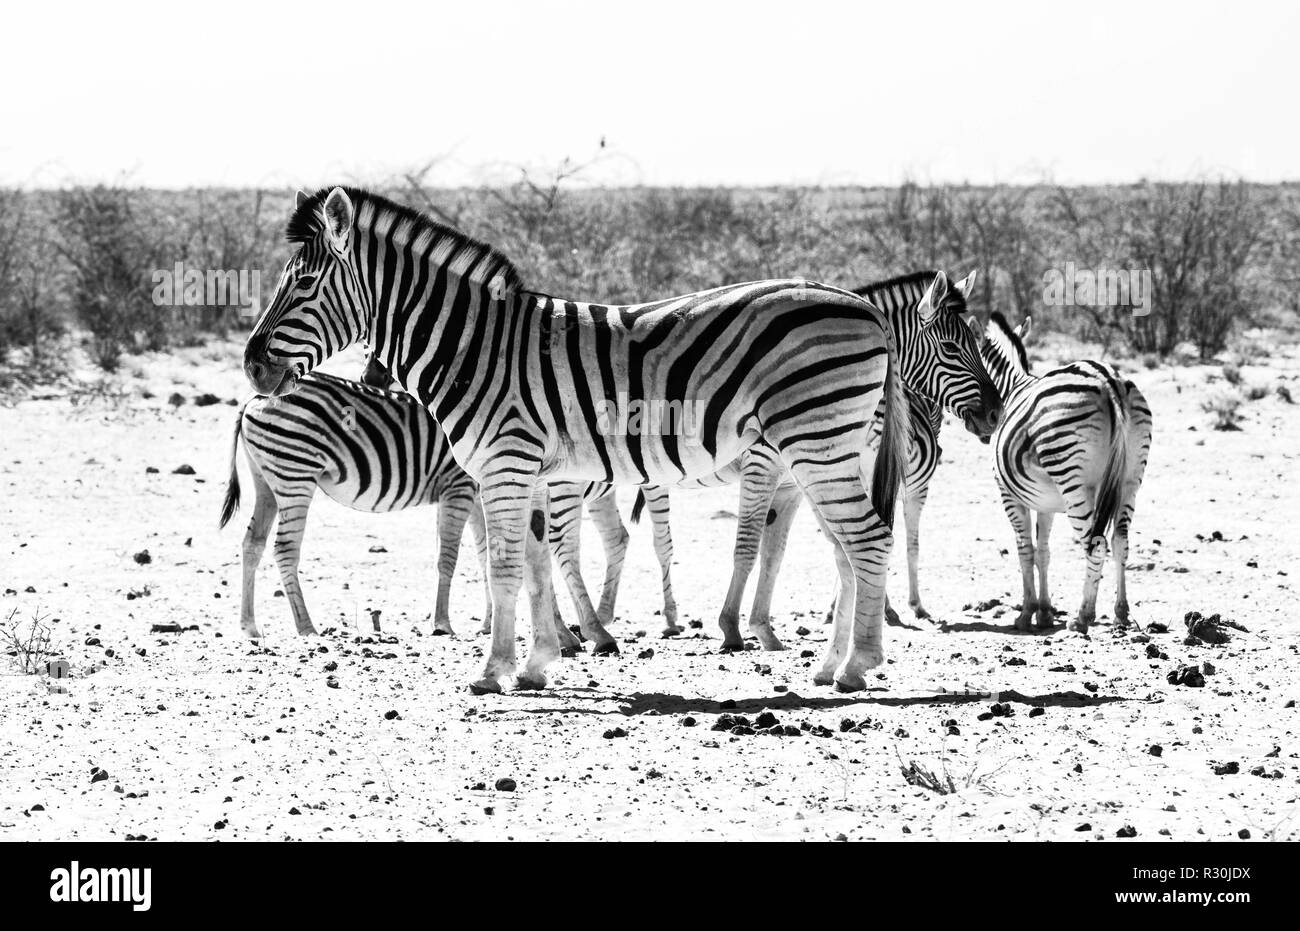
(515, 378)
(769, 499)
(568, 501)
(372, 450)
(1074, 439)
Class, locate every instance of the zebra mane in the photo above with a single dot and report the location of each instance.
(1005, 341)
(446, 245)
(955, 301)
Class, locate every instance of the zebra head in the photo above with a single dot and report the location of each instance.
(318, 307)
(941, 356)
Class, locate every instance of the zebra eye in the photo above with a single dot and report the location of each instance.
(306, 282)
(950, 345)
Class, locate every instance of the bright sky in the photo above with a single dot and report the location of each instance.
(699, 92)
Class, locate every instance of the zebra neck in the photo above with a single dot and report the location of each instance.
(1007, 375)
(435, 347)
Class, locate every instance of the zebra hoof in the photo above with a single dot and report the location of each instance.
(670, 632)
(527, 683)
(439, 632)
(732, 648)
(606, 649)
(1077, 626)
(485, 687)
(571, 652)
(823, 678)
(850, 684)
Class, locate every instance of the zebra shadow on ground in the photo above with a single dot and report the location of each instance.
(572, 701)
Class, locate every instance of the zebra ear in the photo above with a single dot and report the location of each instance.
(974, 324)
(933, 299)
(1023, 330)
(301, 199)
(338, 219)
(967, 284)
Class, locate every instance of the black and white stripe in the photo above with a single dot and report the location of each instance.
(942, 368)
(514, 378)
(1075, 440)
(377, 450)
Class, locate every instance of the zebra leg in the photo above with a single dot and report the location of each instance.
(1018, 514)
(912, 506)
(541, 596)
(288, 550)
(453, 510)
(1042, 558)
(570, 645)
(614, 537)
(657, 502)
(841, 614)
(1079, 509)
(839, 492)
(758, 482)
(566, 542)
(780, 515)
(506, 514)
(479, 533)
(259, 527)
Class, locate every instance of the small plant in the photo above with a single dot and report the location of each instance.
(1232, 373)
(1256, 392)
(918, 775)
(27, 643)
(1225, 407)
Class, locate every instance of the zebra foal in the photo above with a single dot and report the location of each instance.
(1074, 439)
(372, 450)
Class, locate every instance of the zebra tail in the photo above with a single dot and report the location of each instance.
(638, 506)
(891, 457)
(1110, 492)
(231, 504)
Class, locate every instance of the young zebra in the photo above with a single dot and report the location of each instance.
(922, 309)
(514, 378)
(372, 450)
(567, 502)
(1074, 439)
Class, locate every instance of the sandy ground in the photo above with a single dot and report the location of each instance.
(205, 736)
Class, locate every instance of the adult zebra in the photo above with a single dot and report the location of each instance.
(379, 451)
(512, 376)
(941, 368)
(1074, 439)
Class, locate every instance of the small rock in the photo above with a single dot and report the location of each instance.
(614, 732)
(391, 716)
(1244, 834)
(142, 558)
(184, 469)
(505, 784)
(1226, 769)
(1036, 711)
(1187, 675)
(1127, 831)
(1156, 750)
